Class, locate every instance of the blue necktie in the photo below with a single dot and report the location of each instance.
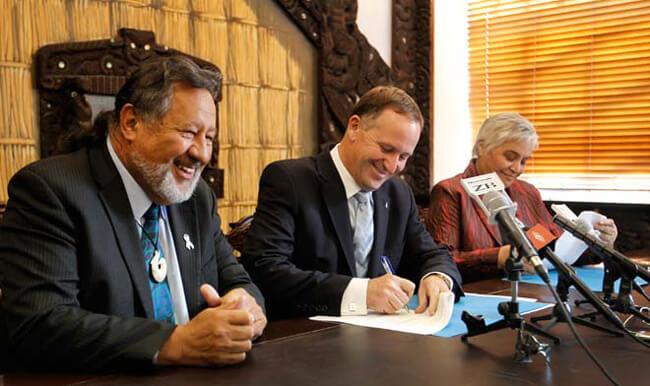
(364, 231)
(163, 306)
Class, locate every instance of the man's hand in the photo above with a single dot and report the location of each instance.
(216, 336)
(238, 298)
(389, 293)
(608, 231)
(429, 293)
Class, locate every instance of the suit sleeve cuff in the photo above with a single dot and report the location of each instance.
(443, 276)
(354, 298)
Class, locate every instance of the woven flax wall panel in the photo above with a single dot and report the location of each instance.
(268, 111)
(213, 9)
(132, 14)
(273, 69)
(243, 55)
(247, 11)
(217, 30)
(89, 21)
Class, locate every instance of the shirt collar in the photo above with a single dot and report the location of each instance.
(350, 185)
(138, 199)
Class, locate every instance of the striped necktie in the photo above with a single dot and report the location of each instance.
(364, 231)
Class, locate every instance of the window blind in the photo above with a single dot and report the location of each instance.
(578, 70)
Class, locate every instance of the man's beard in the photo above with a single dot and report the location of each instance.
(161, 181)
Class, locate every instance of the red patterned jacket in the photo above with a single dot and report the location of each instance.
(457, 222)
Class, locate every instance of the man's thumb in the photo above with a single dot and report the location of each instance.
(210, 295)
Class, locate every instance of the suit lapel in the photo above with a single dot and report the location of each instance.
(337, 205)
(116, 203)
(180, 218)
(380, 213)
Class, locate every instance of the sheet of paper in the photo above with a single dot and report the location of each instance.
(475, 304)
(568, 248)
(487, 306)
(410, 322)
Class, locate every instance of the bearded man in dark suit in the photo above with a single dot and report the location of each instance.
(112, 257)
(324, 223)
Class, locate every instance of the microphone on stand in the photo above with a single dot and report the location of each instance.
(542, 239)
(500, 209)
(581, 228)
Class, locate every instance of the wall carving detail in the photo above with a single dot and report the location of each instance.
(411, 53)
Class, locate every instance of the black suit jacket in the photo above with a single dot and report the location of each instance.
(299, 248)
(72, 271)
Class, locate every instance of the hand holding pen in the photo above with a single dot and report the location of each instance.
(388, 268)
(389, 293)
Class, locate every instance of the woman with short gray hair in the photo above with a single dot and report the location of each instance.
(505, 142)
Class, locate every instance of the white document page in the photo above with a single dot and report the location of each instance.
(569, 248)
(423, 324)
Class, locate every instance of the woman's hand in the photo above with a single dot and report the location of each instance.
(608, 231)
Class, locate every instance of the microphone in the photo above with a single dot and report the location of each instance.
(500, 208)
(542, 239)
(581, 228)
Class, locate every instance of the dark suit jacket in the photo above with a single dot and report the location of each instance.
(72, 272)
(458, 223)
(299, 247)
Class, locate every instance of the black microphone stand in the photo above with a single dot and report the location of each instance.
(623, 303)
(527, 344)
(567, 278)
(612, 273)
(617, 266)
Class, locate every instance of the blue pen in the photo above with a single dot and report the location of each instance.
(388, 268)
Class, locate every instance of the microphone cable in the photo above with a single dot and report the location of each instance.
(567, 317)
(640, 334)
(580, 231)
(634, 335)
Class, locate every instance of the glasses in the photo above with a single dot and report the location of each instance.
(638, 325)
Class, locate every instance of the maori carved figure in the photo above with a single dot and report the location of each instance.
(350, 66)
(412, 65)
(66, 72)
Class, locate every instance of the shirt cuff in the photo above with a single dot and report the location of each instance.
(443, 276)
(354, 298)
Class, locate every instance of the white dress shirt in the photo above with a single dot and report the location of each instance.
(355, 294)
(140, 203)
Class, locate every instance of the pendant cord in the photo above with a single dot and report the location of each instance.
(155, 244)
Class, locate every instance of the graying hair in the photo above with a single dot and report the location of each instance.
(504, 127)
(150, 88)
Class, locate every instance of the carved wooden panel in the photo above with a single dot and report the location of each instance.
(411, 55)
(349, 66)
(66, 72)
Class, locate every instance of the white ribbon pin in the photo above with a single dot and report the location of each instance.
(188, 243)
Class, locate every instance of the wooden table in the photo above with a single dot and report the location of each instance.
(303, 352)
